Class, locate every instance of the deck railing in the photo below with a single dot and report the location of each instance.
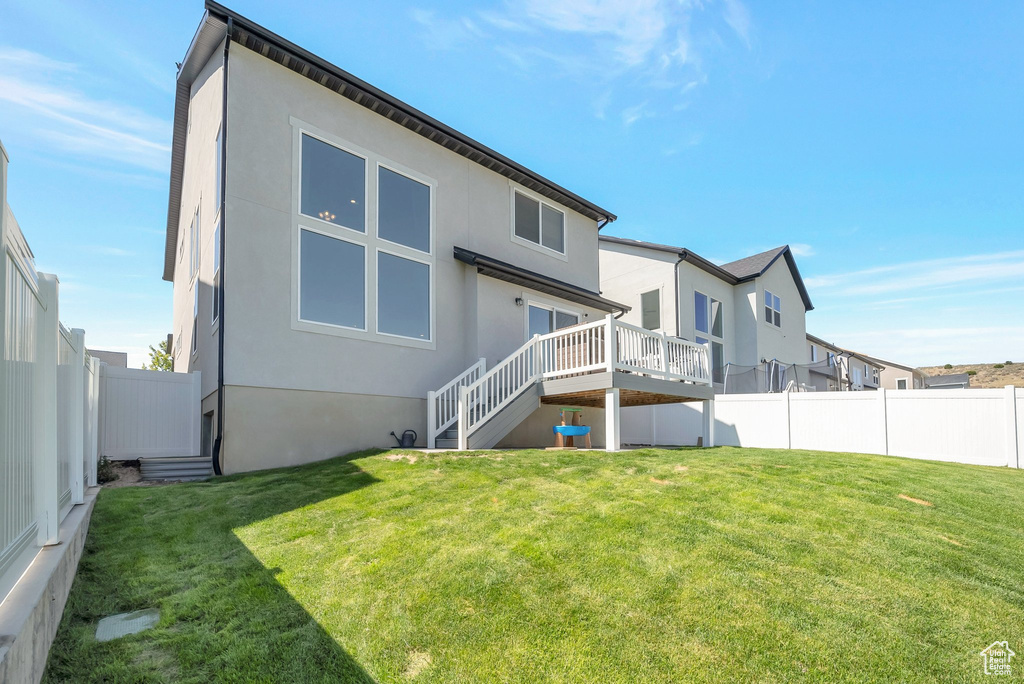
(443, 404)
(604, 346)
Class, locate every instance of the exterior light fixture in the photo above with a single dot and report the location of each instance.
(519, 301)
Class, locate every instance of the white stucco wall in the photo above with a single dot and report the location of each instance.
(787, 343)
(627, 272)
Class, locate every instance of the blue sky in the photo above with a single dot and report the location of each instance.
(884, 143)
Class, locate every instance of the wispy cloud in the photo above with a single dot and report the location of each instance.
(621, 46)
(926, 274)
(38, 95)
(801, 249)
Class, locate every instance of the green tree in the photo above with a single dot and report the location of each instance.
(159, 358)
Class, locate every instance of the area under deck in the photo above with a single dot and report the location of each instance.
(634, 390)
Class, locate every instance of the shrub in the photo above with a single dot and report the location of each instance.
(948, 366)
(998, 365)
(105, 471)
(972, 372)
(1009, 363)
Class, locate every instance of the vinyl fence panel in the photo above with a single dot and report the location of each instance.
(837, 421)
(148, 413)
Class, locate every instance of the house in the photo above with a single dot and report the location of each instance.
(897, 376)
(951, 381)
(844, 370)
(111, 358)
(346, 266)
(751, 312)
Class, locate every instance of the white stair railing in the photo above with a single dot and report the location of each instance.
(607, 345)
(443, 404)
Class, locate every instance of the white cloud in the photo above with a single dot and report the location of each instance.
(631, 115)
(801, 249)
(737, 16)
(37, 94)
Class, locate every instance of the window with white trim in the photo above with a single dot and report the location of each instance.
(193, 246)
(215, 304)
(538, 222)
(363, 271)
(542, 319)
(772, 309)
(195, 317)
(650, 310)
(901, 383)
(814, 354)
(709, 323)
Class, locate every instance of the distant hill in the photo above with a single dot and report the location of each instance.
(987, 376)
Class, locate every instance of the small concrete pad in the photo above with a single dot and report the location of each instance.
(117, 626)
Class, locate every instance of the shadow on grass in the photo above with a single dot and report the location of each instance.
(223, 615)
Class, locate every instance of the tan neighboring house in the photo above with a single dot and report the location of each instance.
(853, 372)
(345, 266)
(750, 312)
(896, 376)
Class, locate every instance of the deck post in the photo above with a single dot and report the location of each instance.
(610, 344)
(611, 419)
(708, 417)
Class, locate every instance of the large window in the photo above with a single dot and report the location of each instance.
(403, 213)
(216, 273)
(333, 184)
(403, 297)
(709, 322)
(538, 222)
(772, 309)
(332, 280)
(369, 274)
(650, 310)
(544, 319)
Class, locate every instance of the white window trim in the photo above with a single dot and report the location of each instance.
(772, 307)
(531, 299)
(298, 271)
(537, 247)
(430, 278)
(370, 241)
(344, 146)
(906, 383)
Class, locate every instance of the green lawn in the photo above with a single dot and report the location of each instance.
(642, 566)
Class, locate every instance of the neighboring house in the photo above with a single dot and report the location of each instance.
(951, 381)
(339, 257)
(750, 312)
(843, 370)
(897, 376)
(111, 358)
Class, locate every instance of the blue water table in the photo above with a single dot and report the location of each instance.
(565, 434)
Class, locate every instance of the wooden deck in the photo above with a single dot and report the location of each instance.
(634, 390)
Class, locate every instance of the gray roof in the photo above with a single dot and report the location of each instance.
(734, 272)
(502, 270)
(951, 379)
(220, 21)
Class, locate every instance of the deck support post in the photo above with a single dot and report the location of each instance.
(611, 419)
(431, 420)
(708, 416)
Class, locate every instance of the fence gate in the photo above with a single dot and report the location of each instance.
(149, 414)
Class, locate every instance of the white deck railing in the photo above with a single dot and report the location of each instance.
(604, 346)
(443, 404)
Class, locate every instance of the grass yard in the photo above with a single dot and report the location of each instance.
(644, 566)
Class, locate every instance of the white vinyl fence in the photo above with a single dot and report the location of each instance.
(150, 414)
(977, 426)
(48, 409)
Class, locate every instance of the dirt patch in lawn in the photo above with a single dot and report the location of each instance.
(412, 458)
(920, 502)
(418, 662)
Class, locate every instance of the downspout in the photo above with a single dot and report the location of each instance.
(223, 226)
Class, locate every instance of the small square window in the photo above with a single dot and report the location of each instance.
(650, 310)
(538, 222)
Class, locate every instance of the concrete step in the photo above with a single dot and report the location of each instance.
(446, 443)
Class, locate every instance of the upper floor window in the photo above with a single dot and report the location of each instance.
(538, 222)
(708, 320)
(333, 184)
(901, 383)
(194, 232)
(814, 354)
(195, 317)
(362, 272)
(772, 309)
(650, 310)
(831, 360)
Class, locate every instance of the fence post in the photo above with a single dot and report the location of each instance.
(787, 409)
(93, 449)
(431, 420)
(885, 420)
(197, 413)
(76, 414)
(1012, 443)
(44, 459)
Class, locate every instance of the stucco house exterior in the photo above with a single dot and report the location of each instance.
(345, 266)
(854, 372)
(895, 376)
(750, 312)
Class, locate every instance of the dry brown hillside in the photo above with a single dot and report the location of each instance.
(987, 373)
